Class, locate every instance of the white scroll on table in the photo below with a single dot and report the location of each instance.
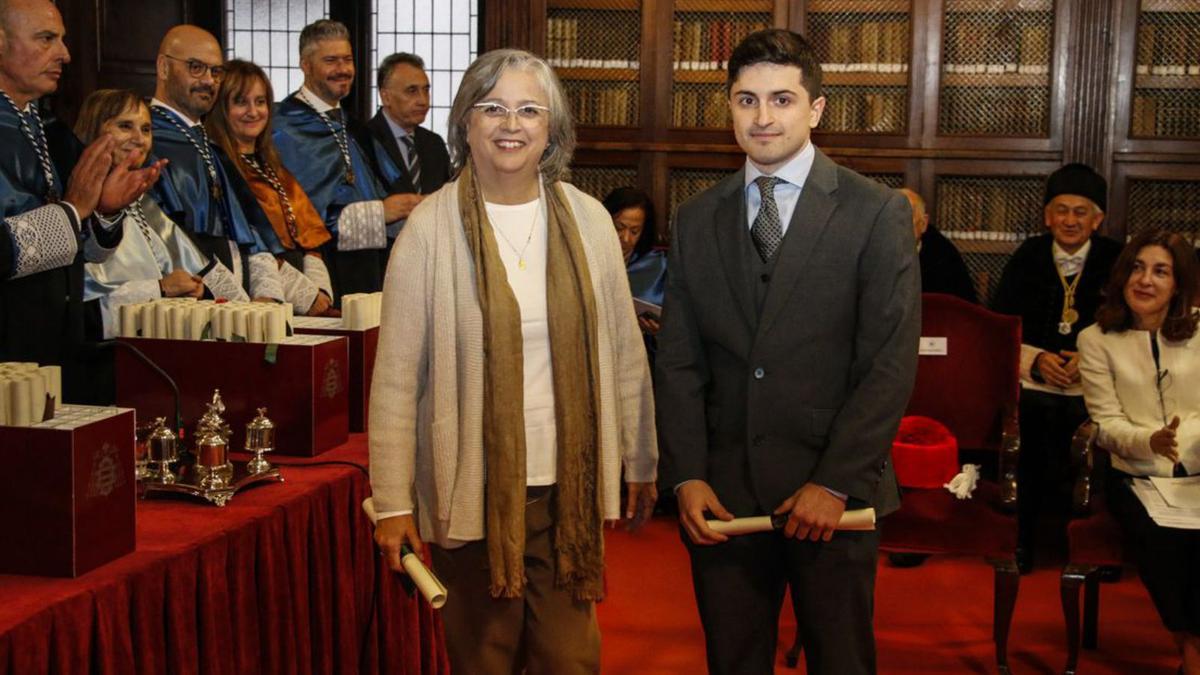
(860, 520)
(191, 319)
(422, 577)
(24, 388)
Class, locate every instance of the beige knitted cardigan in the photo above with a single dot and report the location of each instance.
(426, 416)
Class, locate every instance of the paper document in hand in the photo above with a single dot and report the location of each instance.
(643, 308)
(1160, 511)
(1181, 493)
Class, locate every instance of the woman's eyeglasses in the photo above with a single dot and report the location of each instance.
(530, 112)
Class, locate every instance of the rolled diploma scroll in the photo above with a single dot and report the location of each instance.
(423, 578)
(129, 319)
(858, 520)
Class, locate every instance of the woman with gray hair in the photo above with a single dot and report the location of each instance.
(510, 385)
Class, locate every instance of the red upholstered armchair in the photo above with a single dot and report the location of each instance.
(973, 390)
(1094, 543)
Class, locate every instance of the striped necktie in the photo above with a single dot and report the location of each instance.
(413, 162)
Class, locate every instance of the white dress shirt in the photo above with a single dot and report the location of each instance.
(787, 193)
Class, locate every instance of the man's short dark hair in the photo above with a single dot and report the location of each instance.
(389, 64)
(779, 46)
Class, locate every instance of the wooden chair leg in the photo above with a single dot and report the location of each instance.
(1091, 610)
(1072, 577)
(1008, 581)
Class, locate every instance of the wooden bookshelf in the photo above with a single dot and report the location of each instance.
(598, 74)
(736, 6)
(993, 80)
(596, 5)
(958, 6)
(858, 6)
(926, 117)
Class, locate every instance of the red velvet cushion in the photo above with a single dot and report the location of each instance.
(935, 521)
(1095, 540)
(924, 454)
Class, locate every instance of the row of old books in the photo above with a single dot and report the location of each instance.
(983, 42)
(706, 45)
(602, 106)
(851, 109)
(966, 209)
(703, 107)
(594, 40)
(994, 111)
(870, 46)
(1169, 48)
(1166, 114)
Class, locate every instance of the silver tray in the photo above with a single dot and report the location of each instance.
(187, 483)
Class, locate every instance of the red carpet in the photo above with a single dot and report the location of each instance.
(935, 618)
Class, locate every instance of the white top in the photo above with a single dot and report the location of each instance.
(513, 225)
(787, 193)
(1123, 399)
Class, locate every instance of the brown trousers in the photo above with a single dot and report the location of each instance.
(546, 631)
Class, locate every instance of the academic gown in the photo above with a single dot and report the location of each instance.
(308, 150)
(41, 317)
(183, 194)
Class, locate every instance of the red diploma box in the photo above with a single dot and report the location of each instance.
(67, 505)
(302, 382)
(363, 344)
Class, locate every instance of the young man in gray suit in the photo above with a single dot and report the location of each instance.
(787, 354)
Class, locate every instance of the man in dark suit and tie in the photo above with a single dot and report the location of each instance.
(409, 159)
(786, 357)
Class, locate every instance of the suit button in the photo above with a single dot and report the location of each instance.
(759, 373)
(758, 440)
(765, 278)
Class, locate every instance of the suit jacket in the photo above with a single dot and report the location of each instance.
(812, 388)
(383, 153)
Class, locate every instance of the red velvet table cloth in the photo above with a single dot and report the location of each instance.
(285, 579)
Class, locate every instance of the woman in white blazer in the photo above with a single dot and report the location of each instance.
(1140, 365)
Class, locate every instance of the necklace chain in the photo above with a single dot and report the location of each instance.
(38, 141)
(340, 136)
(528, 238)
(202, 148)
(264, 171)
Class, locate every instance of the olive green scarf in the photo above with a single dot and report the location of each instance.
(571, 309)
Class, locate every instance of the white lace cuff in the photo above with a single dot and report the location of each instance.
(43, 239)
(298, 290)
(222, 284)
(264, 277)
(318, 273)
(361, 226)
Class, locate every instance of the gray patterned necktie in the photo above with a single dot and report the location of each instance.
(413, 162)
(767, 232)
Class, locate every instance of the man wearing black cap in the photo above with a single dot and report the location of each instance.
(1053, 283)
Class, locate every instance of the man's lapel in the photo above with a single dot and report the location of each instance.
(382, 132)
(805, 229)
(729, 225)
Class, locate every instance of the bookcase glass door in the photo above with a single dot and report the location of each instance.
(995, 77)
(1164, 204)
(1166, 90)
(598, 181)
(865, 52)
(987, 218)
(703, 33)
(594, 46)
(685, 183)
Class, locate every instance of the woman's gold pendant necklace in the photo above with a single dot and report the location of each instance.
(528, 238)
